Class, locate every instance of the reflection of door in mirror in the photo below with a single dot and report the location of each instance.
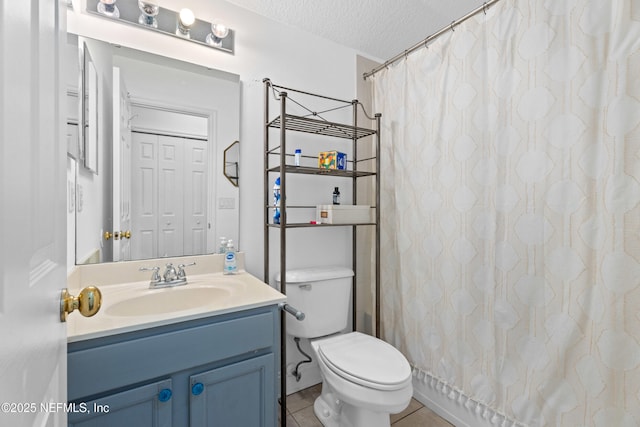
(121, 168)
(169, 210)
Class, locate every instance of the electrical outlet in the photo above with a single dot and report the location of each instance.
(226, 203)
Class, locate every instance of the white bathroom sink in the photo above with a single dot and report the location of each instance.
(168, 300)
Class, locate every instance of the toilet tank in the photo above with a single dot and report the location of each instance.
(323, 295)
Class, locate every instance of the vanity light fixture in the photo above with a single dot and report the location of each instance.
(150, 15)
(149, 9)
(218, 32)
(109, 8)
(186, 19)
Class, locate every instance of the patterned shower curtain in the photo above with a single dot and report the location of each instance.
(511, 211)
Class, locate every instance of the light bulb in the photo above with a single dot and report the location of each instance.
(186, 19)
(218, 32)
(149, 9)
(108, 8)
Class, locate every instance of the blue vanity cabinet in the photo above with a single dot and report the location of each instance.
(148, 405)
(215, 371)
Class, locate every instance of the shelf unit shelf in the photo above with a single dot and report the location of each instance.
(320, 127)
(309, 225)
(324, 172)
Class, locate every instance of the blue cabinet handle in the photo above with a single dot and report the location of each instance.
(197, 388)
(164, 395)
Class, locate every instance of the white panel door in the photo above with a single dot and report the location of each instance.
(170, 197)
(32, 212)
(144, 193)
(195, 197)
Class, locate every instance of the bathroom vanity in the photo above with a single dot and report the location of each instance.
(208, 365)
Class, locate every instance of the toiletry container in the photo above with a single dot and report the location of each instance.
(364, 379)
(276, 201)
(336, 196)
(230, 265)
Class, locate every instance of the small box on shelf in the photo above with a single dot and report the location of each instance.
(343, 214)
(332, 160)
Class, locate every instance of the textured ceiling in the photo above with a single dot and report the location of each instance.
(378, 28)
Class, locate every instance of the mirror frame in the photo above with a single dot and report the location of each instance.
(228, 166)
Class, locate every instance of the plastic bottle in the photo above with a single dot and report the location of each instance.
(222, 249)
(297, 156)
(276, 201)
(336, 196)
(230, 266)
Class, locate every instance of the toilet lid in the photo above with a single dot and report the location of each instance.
(366, 360)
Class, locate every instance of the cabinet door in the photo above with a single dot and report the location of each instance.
(145, 406)
(239, 395)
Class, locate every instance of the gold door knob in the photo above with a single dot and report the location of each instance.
(107, 235)
(125, 234)
(87, 302)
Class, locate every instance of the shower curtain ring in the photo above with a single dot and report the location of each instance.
(484, 7)
(452, 23)
(406, 55)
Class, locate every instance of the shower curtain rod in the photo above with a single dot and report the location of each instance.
(424, 42)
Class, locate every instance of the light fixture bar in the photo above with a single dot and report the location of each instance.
(167, 22)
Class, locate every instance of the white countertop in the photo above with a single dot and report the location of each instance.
(237, 292)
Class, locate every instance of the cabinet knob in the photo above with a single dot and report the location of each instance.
(197, 389)
(164, 395)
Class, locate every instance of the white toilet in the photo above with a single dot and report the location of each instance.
(364, 379)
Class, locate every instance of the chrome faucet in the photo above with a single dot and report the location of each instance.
(170, 278)
(170, 274)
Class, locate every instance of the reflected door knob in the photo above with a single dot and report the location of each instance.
(87, 302)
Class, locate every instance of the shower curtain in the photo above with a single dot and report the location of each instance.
(511, 212)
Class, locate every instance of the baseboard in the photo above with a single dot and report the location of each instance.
(454, 406)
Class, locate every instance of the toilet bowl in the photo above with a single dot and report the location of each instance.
(364, 381)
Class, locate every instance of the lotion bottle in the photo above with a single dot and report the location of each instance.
(230, 266)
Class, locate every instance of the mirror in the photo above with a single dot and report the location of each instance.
(232, 162)
(152, 179)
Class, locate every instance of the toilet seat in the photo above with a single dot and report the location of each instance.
(365, 360)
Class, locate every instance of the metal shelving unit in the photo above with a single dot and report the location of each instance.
(286, 123)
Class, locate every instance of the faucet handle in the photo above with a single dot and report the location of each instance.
(181, 272)
(155, 277)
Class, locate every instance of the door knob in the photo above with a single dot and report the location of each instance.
(125, 234)
(87, 302)
(107, 235)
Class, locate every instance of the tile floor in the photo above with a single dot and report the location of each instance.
(300, 412)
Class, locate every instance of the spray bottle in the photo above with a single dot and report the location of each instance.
(276, 201)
